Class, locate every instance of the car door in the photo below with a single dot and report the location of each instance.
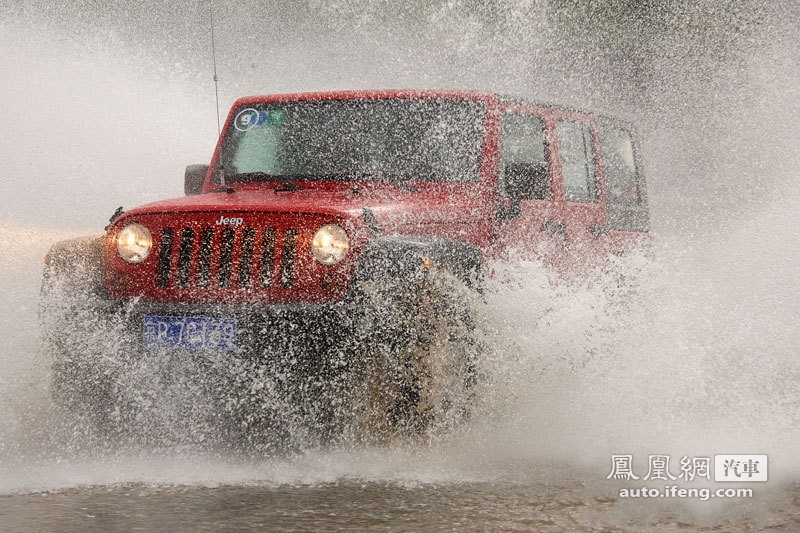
(552, 202)
(579, 188)
(528, 206)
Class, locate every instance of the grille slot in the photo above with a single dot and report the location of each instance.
(226, 256)
(165, 258)
(267, 258)
(204, 260)
(185, 256)
(246, 257)
(287, 262)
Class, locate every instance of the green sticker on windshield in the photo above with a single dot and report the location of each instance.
(276, 117)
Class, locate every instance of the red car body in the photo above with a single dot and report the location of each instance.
(264, 255)
(324, 265)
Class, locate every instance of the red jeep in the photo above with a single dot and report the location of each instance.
(327, 259)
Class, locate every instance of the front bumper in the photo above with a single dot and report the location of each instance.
(261, 330)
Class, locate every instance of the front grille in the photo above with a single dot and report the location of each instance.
(226, 258)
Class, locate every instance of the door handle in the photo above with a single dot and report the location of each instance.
(598, 229)
(555, 227)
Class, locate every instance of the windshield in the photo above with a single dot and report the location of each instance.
(418, 139)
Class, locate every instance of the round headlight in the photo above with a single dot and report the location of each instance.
(134, 243)
(330, 244)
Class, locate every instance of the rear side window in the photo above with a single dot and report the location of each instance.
(578, 161)
(626, 194)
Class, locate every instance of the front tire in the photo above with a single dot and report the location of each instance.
(421, 357)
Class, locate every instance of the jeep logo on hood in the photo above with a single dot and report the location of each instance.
(224, 221)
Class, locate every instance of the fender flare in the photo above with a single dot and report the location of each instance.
(76, 263)
(395, 257)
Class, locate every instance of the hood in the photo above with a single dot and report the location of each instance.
(391, 206)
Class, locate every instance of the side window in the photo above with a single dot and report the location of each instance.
(625, 189)
(525, 171)
(620, 167)
(578, 161)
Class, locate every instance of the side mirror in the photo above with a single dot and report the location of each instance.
(194, 178)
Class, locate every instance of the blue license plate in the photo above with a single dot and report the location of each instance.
(190, 332)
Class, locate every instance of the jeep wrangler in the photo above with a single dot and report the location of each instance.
(327, 261)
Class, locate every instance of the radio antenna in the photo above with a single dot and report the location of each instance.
(214, 59)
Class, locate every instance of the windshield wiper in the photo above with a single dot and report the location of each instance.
(392, 179)
(400, 183)
(219, 173)
(289, 181)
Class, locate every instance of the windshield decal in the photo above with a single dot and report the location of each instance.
(246, 119)
(249, 118)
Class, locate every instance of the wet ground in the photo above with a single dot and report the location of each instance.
(570, 504)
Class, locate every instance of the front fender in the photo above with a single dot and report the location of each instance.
(414, 256)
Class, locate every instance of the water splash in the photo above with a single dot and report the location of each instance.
(696, 355)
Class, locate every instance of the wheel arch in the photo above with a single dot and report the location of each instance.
(76, 263)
